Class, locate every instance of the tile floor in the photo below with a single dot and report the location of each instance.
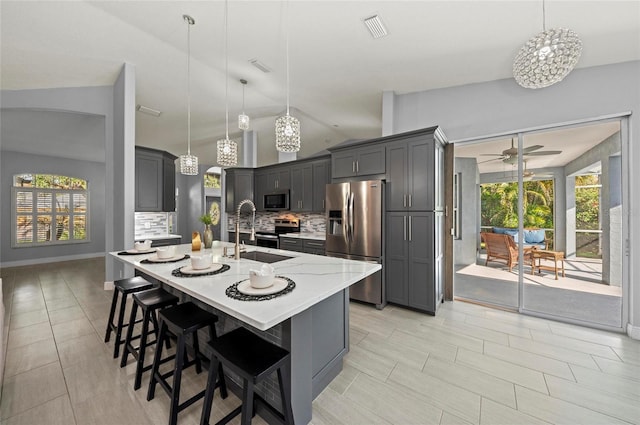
(469, 364)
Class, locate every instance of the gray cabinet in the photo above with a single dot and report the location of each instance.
(291, 244)
(301, 197)
(414, 259)
(412, 175)
(278, 179)
(238, 187)
(360, 161)
(313, 246)
(321, 176)
(155, 180)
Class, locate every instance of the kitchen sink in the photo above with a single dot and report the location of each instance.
(263, 257)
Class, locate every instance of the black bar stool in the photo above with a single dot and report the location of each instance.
(149, 302)
(253, 359)
(123, 287)
(181, 321)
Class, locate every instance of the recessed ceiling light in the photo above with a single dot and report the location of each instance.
(375, 26)
(148, 111)
(261, 66)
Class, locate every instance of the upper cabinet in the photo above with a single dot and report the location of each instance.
(155, 180)
(301, 198)
(358, 161)
(270, 180)
(238, 187)
(321, 176)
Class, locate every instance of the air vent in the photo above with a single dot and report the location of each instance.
(261, 66)
(148, 111)
(376, 26)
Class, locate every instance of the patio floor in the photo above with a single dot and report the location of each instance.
(577, 296)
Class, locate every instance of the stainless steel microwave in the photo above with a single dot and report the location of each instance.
(277, 201)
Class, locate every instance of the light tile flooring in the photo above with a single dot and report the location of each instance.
(469, 364)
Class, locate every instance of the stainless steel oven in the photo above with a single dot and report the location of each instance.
(281, 226)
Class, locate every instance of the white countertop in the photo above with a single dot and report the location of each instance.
(318, 236)
(316, 277)
(156, 237)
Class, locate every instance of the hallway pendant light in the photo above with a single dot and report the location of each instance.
(547, 58)
(227, 149)
(188, 162)
(243, 119)
(287, 127)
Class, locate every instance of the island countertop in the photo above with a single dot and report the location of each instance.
(316, 277)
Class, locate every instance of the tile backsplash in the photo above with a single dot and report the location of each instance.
(311, 222)
(151, 224)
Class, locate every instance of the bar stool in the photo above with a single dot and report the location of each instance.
(149, 302)
(182, 320)
(123, 287)
(253, 359)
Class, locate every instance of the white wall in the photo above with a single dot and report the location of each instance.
(483, 109)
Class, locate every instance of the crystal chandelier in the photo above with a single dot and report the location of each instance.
(188, 162)
(227, 149)
(287, 127)
(243, 119)
(547, 58)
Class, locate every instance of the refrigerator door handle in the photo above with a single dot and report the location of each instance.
(352, 196)
(345, 221)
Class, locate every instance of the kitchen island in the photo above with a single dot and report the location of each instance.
(312, 321)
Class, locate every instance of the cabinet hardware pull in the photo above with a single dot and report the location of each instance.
(353, 166)
(404, 200)
(404, 225)
(409, 200)
(357, 166)
(410, 229)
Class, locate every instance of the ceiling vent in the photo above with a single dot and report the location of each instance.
(148, 111)
(376, 26)
(261, 66)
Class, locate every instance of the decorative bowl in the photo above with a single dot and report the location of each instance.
(260, 281)
(166, 252)
(199, 262)
(142, 246)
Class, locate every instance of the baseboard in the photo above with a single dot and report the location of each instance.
(109, 285)
(633, 331)
(34, 261)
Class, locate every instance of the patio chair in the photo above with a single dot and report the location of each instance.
(501, 247)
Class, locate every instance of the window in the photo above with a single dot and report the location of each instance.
(49, 209)
(212, 180)
(588, 188)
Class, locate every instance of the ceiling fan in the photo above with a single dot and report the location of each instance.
(510, 156)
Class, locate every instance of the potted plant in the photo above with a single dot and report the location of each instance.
(208, 233)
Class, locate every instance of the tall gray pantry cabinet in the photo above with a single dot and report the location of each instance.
(414, 254)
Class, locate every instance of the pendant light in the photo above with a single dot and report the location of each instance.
(243, 119)
(227, 149)
(547, 58)
(287, 127)
(188, 162)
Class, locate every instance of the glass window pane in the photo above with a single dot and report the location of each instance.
(44, 228)
(80, 227)
(80, 202)
(24, 229)
(63, 203)
(23, 180)
(62, 228)
(24, 202)
(44, 202)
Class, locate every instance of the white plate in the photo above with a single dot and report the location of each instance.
(156, 259)
(190, 270)
(278, 285)
(144, 251)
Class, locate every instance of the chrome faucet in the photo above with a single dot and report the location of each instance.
(253, 222)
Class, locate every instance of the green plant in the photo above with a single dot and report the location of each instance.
(206, 219)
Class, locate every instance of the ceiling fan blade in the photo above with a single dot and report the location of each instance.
(489, 160)
(491, 154)
(532, 148)
(541, 153)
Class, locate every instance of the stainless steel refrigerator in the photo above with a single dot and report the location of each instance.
(354, 223)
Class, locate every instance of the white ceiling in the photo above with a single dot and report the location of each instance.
(338, 71)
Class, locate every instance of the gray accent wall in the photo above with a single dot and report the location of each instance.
(479, 110)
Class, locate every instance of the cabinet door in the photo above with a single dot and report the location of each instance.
(370, 161)
(420, 178)
(343, 164)
(149, 175)
(260, 186)
(313, 247)
(421, 261)
(301, 187)
(284, 178)
(169, 185)
(395, 265)
(239, 186)
(321, 178)
(396, 184)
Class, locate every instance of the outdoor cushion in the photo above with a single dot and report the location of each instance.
(534, 236)
(513, 233)
(500, 230)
